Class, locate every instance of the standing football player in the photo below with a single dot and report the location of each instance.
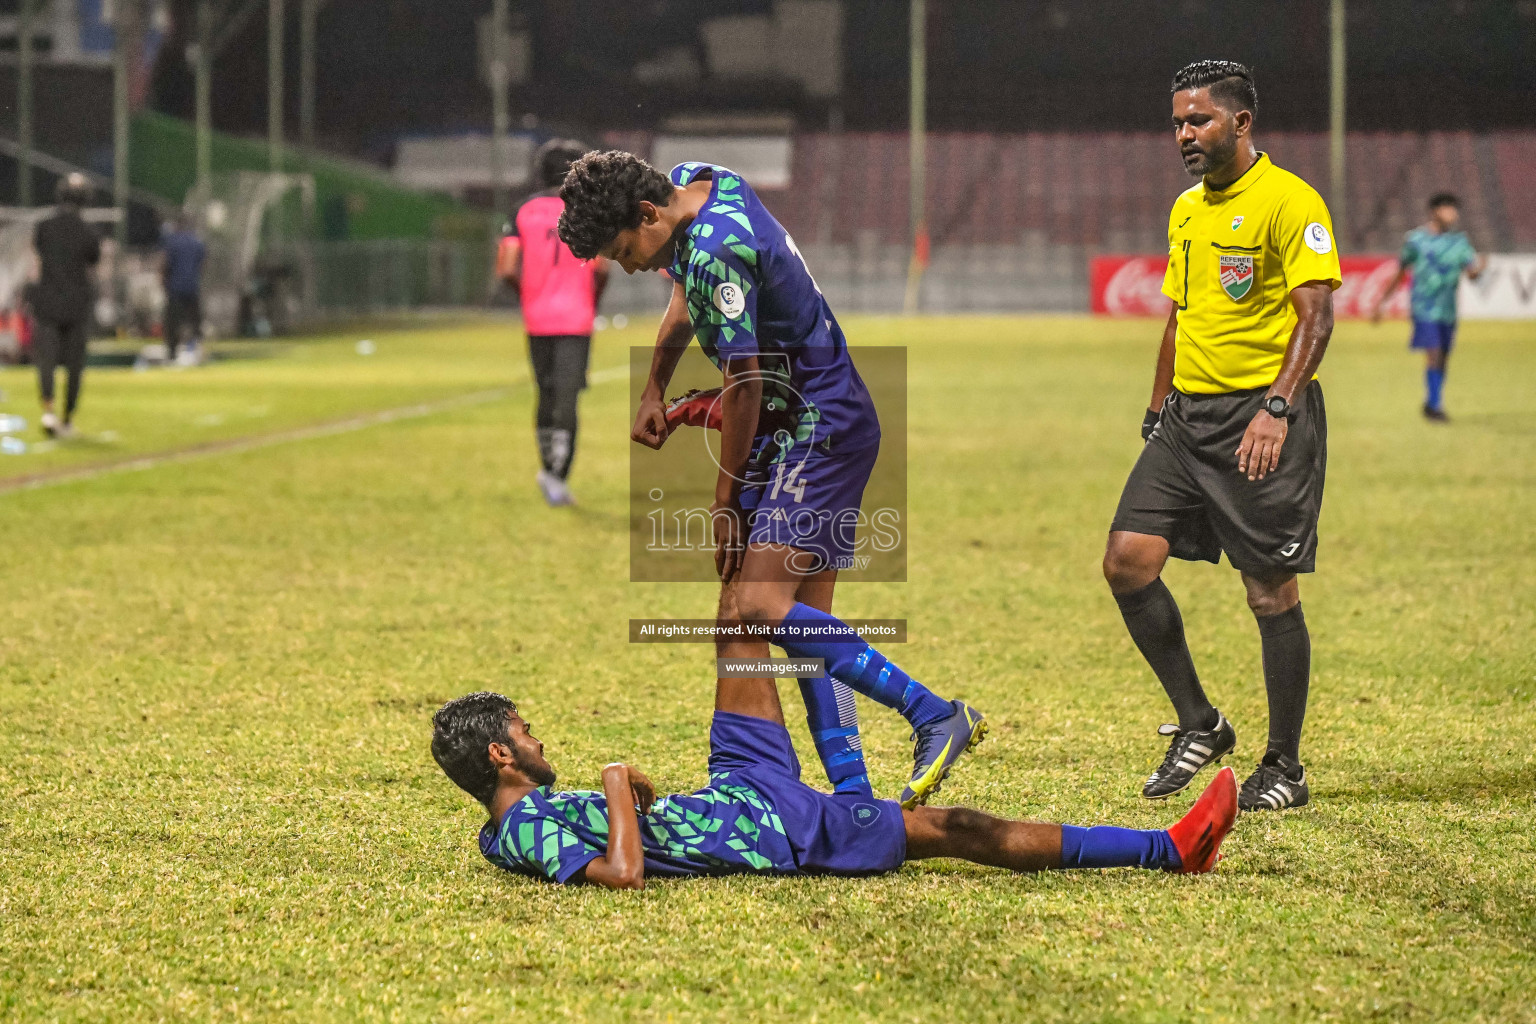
(1236, 438)
(798, 436)
(559, 295)
(1437, 254)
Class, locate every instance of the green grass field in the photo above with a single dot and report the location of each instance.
(217, 802)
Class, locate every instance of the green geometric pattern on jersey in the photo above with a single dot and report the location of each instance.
(672, 827)
(704, 272)
(1437, 260)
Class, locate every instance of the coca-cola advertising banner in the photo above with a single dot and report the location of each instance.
(1132, 286)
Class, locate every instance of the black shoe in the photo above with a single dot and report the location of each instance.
(1277, 783)
(1436, 415)
(1190, 751)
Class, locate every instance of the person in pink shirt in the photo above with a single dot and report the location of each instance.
(559, 295)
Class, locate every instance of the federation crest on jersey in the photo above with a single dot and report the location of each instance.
(729, 299)
(1237, 222)
(1236, 274)
(1318, 239)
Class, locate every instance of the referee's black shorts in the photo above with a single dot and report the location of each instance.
(1186, 487)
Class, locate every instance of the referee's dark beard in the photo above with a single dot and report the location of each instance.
(1220, 155)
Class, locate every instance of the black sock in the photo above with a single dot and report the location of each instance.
(1152, 616)
(1287, 671)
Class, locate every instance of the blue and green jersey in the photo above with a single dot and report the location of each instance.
(749, 293)
(726, 828)
(1437, 260)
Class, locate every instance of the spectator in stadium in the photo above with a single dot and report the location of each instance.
(182, 273)
(755, 816)
(559, 295)
(1250, 278)
(67, 250)
(1437, 254)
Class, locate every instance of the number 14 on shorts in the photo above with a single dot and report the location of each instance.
(787, 478)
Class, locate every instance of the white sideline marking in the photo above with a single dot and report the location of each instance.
(246, 444)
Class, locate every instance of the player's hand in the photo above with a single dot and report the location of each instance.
(730, 538)
(1149, 423)
(1260, 451)
(639, 786)
(650, 423)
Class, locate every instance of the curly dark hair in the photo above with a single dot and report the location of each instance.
(462, 730)
(554, 158)
(602, 194)
(1231, 83)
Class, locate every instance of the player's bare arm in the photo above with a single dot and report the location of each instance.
(509, 263)
(671, 340)
(1162, 377)
(629, 794)
(741, 401)
(1259, 454)
(1392, 286)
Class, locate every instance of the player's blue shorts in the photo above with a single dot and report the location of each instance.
(844, 834)
(1430, 334)
(810, 501)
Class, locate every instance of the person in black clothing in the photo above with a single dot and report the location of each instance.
(67, 249)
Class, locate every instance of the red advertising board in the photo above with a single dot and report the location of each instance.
(1132, 286)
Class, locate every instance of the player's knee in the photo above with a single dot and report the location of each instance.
(963, 828)
(1125, 568)
(1270, 597)
(758, 602)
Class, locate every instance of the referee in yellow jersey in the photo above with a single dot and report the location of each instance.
(1236, 437)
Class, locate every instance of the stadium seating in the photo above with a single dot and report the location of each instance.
(1111, 191)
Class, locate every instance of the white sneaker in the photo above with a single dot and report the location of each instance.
(65, 430)
(50, 424)
(556, 493)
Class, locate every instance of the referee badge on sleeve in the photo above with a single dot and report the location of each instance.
(1236, 274)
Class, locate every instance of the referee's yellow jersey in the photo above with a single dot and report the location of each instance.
(1234, 254)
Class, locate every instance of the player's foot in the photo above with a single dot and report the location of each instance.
(1198, 834)
(556, 493)
(1190, 751)
(1277, 783)
(938, 746)
(1435, 415)
(64, 430)
(50, 424)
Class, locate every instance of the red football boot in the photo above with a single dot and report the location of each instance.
(695, 409)
(1199, 833)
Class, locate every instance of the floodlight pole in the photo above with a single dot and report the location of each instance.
(1336, 151)
(309, 14)
(917, 140)
(122, 35)
(24, 102)
(275, 85)
(202, 69)
(500, 116)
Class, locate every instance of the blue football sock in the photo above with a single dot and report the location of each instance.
(809, 633)
(1105, 846)
(1434, 384)
(833, 718)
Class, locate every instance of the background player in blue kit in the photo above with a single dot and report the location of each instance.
(798, 435)
(755, 815)
(1437, 253)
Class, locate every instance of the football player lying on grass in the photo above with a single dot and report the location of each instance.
(755, 815)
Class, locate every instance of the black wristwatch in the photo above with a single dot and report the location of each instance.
(1277, 406)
